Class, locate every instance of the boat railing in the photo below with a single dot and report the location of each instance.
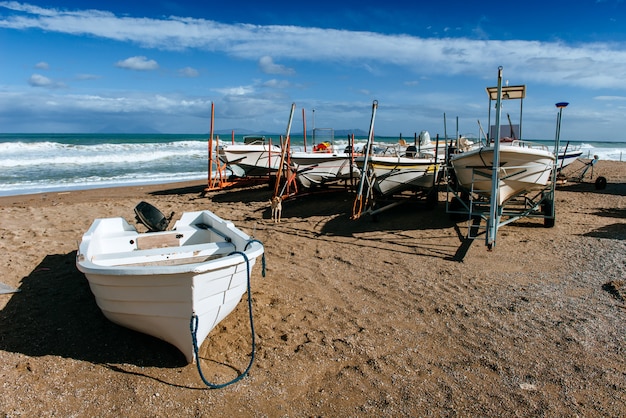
(528, 144)
(570, 148)
(391, 150)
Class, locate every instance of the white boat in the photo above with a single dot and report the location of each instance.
(325, 164)
(567, 155)
(524, 167)
(157, 282)
(400, 172)
(257, 156)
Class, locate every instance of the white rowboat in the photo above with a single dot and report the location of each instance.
(157, 282)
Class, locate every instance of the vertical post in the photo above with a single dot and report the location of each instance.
(557, 145)
(304, 128)
(494, 208)
(284, 143)
(358, 201)
(210, 176)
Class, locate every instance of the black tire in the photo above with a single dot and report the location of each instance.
(546, 209)
(600, 183)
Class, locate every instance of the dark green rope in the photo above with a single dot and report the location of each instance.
(262, 258)
(194, 329)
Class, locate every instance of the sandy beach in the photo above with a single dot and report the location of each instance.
(398, 316)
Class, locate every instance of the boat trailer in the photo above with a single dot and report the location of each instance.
(476, 207)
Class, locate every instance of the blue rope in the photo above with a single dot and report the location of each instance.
(194, 329)
(262, 257)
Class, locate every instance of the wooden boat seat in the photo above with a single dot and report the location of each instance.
(154, 255)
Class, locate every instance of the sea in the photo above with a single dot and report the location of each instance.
(41, 163)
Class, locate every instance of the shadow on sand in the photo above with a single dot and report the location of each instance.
(56, 314)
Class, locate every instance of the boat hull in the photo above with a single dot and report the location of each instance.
(256, 160)
(157, 290)
(567, 157)
(398, 174)
(522, 169)
(315, 168)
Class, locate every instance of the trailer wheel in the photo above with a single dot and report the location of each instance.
(600, 183)
(546, 208)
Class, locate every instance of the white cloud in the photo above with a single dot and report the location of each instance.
(188, 72)
(267, 65)
(595, 65)
(38, 80)
(139, 63)
(610, 98)
(84, 77)
(42, 66)
(277, 84)
(236, 91)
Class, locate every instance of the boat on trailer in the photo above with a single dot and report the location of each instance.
(524, 167)
(504, 179)
(158, 282)
(395, 173)
(319, 167)
(257, 156)
(567, 155)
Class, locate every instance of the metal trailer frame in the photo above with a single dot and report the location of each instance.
(475, 207)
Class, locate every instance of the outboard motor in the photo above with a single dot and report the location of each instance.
(151, 217)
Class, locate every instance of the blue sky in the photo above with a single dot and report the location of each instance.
(145, 66)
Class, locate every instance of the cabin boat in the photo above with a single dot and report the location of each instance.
(524, 167)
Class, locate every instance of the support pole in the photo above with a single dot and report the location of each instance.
(210, 171)
(284, 150)
(494, 208)
(358, 202)
(557, 145)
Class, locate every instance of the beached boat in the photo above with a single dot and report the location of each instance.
(395, 173)
(325, 164)
(158, 282)
(524, 167)
(257, 156)
(567, 155)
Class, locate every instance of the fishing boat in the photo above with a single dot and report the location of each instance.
(395, 172)
(524, 167)
(257, 156)
(568, 155)
(158, 282)
(325, 164)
